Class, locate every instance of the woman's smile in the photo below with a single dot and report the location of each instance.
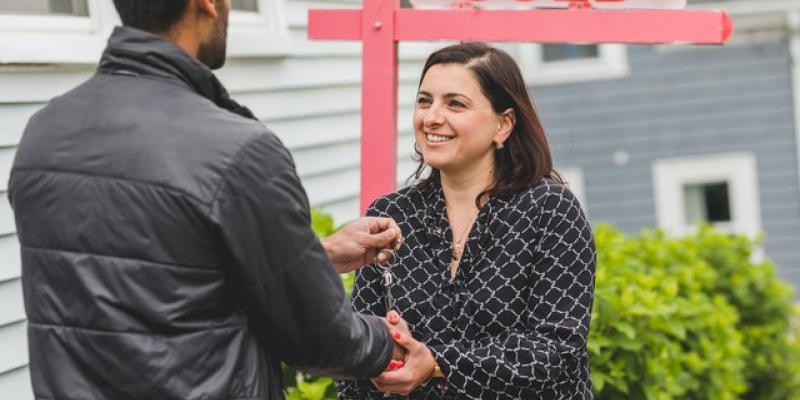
(435, 139)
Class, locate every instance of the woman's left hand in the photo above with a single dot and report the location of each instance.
(418, 367)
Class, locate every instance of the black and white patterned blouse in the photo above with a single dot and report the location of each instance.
(514, 322)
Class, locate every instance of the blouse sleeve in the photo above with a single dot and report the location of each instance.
(367, 298)
(551, 350)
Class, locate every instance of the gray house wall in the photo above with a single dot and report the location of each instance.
(689, 101)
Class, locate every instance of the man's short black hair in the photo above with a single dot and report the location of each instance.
(150, 15)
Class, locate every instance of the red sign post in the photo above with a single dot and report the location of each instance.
(381, 24)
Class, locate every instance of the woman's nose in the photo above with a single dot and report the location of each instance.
(433, 116)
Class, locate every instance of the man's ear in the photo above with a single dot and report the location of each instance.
(505, 126)
(207, 7)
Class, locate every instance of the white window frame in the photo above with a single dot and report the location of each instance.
(259, 34)
(610, 63)
(737, 169)
(575, 182)
(58, 39)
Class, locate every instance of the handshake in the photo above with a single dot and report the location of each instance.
(369, 240)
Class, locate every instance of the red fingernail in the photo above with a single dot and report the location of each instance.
(397, 335)
(392, 364)
(400, 364)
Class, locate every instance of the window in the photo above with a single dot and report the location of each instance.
(718, 189)
(75, 31)
(245, 5)
(561, 63)
(45, 7)
(54, 31)
(707, 202)
(559, 52)
(258, 28)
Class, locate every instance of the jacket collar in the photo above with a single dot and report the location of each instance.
(136, 52)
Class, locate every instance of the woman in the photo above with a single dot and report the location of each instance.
(496, 276)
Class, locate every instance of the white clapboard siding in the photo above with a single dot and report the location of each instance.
(40, 84)
(11, 310)
(312, 131)
(16, 384)
(6, 215)
(10, 266)
(298, 103)
(309, 132)
(14, 117)
(332, 157)
(14, 343)
(253, 75)
(6, 159)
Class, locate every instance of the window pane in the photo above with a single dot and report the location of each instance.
(245, 5)
(707, 202)
(45, 7)
(558, 52)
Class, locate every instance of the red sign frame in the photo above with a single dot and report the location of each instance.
(381, 24)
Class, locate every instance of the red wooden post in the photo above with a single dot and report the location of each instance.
(381, 24)
(378, 100)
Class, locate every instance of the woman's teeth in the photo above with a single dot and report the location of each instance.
(436, 138)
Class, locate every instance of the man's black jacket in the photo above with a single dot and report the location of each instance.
(166, 247)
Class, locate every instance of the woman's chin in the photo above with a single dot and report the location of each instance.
(438, 164)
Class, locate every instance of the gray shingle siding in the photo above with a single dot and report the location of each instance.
(683, 102)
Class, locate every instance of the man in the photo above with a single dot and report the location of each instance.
(165, 236)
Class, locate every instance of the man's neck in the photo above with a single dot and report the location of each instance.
(186, 40)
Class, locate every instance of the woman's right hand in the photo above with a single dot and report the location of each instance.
(418, 363)
(395, 323)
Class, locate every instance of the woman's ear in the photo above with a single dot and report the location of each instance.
(505, 126)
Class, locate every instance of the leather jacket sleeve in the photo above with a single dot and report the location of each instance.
(289, 288)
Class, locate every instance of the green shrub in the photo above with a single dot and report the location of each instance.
(690, 318)
(766, 312)
(657, 333)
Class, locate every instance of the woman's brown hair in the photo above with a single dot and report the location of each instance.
(525, 157)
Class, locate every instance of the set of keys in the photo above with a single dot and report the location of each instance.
(388, 279)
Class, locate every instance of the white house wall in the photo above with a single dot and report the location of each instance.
(310, 97)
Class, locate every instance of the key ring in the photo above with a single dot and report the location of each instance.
(388, 279)
(391, 254)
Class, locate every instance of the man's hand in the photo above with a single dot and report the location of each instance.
(417, 367)
(361, 242)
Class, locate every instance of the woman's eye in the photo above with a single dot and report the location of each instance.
(423, 100)
(456, 103)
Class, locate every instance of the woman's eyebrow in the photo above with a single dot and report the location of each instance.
(455, 94)
(449, 95)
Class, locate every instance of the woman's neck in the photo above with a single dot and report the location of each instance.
(461, 190)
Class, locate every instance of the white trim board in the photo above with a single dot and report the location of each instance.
(50, 39)
(611, 63)
(573, 176)
(793, 21)
(737, 169)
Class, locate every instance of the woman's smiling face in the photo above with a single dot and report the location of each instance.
(455, 127)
